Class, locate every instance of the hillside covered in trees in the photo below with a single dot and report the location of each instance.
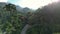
(17, 20)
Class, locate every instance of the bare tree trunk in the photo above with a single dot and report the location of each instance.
(26, 27)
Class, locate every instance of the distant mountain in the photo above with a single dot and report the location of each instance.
(2, 4)
(20, 9)
(26, 9)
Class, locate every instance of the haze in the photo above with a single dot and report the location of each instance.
(33, 4)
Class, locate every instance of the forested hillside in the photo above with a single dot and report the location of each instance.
(12, 18)
(17, 20)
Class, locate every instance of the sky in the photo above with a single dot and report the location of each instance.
(33, 4)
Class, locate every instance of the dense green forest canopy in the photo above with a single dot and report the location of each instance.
(13, 19)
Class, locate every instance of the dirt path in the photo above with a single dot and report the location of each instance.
(26, 27)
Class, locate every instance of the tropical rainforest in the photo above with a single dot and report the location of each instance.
(17, 20)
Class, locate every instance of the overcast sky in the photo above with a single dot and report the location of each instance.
(34, 4)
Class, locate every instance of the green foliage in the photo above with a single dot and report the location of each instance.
(10, 22)
(42, 21)
(34, 30)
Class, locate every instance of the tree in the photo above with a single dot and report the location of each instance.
(12, 21)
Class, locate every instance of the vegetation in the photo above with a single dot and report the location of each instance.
(44, 20)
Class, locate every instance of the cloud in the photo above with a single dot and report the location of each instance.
(3, 0)
(34, 4)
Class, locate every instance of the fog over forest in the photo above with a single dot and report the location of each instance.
(17, 20)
